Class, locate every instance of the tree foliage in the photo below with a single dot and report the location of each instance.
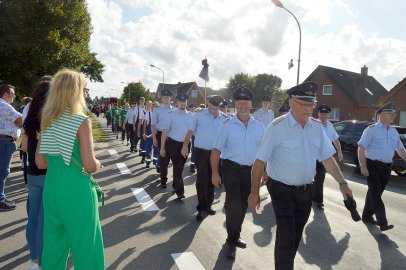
(40, 37)
(261, 85)
(134, 90)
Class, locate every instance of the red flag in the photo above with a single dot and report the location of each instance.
(204, 74)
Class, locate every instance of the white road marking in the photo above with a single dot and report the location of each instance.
(144, 199)
(186, 261)
(123, 168)
(113, 152)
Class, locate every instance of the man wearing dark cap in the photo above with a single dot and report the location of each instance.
(160, 116)
(205, 127)
(173, 134)
(291, 145)
(236, 144)
(224, 108)
(284, 109)
(323, 113)
(265, 114)
(376, 147)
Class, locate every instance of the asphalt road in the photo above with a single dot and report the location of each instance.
(139, 239)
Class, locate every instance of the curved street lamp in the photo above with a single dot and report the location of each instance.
(163, 74)
(280, 5)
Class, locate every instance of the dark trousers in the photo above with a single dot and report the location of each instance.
(163, 161)
(292, 206)
(142, 142)
(132, 135)
(237, 182)
(178, 161)
(136, 138)
(319, 182)
(204, 187)
(378, 178)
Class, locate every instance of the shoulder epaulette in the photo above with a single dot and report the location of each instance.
(316, 120)
(277, 120)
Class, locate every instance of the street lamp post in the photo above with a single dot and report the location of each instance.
(163, 74)
(280, 5)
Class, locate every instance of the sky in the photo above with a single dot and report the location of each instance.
(237, 36)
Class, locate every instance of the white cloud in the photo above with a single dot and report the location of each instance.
(251, 37)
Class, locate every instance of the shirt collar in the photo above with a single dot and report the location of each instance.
(292, 121)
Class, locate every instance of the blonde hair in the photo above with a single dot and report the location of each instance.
(66, 92)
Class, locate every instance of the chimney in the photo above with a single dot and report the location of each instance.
(364, 71)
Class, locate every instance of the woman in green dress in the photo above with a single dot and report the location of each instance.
(71, 217)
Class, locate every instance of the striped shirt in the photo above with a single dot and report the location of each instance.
(59, 138)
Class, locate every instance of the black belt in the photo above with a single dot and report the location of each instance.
(233, 163)
(300, 187)
(379, 163)
(173, 141)
(201, 149)
(6, 136)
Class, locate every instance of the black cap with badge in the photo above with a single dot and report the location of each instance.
(182, 97)
(215, 100)
(243, 93)
(323, 108)
(166, 93)
(285, 107)
(305, 91)
(388, 107)
(266, 98)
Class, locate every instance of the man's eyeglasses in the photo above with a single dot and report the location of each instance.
(305, 105)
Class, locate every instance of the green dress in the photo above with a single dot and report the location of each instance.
(71, 217)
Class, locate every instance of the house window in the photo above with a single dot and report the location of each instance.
(327, 90)
(159, 94)
(175, 93)
(334, 114)
(194, 94)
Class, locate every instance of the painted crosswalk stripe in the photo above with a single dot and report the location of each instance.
(113, 152)
(144, 199)
(123, 168)
(186, 261)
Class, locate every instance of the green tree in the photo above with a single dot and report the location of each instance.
(40, 37)
(261, 85)
(134, 90)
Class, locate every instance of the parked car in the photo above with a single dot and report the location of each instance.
(350, 132)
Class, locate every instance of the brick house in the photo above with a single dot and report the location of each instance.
(195, 93)
(397, 95)
(351, 95)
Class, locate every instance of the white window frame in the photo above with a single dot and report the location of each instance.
(334, 115)
(159, 94)
(193, 94)
(324, 92)
(175, 92)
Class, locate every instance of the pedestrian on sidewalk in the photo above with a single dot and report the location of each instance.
(376, 148)
(206, 125)
(160, 116)
(36, 177)
(173, 135)
(66, 149)
(291, 145)
(236, 144)
(10, 123)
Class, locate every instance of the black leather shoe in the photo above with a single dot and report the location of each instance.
(162, 186)
(199, 216)
(180, 197)
(231, 250)
(370, 220)
(320, 206)
(211, 212)
(386, 227)
(5, 206)
(158, 169)
(9, 201)
(240, 243)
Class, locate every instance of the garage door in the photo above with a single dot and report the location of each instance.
(402, 119)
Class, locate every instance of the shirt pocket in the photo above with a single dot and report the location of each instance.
(290, 149)
(315, 146)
